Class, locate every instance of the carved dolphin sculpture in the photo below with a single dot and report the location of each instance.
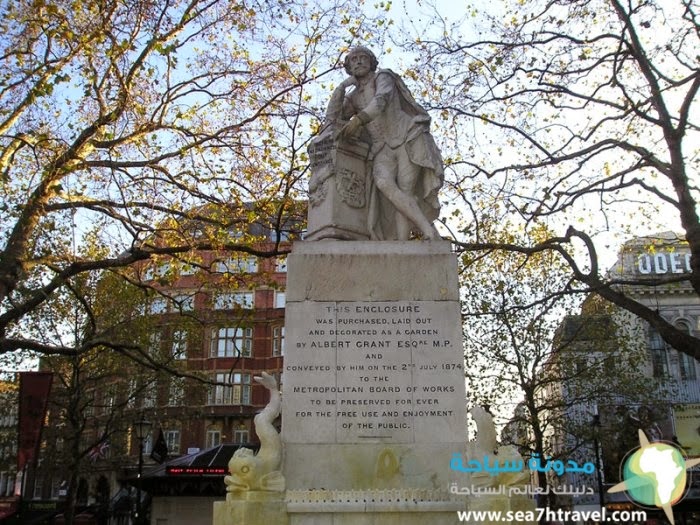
(260, 472)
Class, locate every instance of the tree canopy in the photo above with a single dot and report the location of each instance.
(580, 115)
(535, 363)
(125, 122)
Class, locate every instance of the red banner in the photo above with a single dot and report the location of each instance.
(34, 388)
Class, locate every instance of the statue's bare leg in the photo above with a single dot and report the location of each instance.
(398, 189)
(406, 180)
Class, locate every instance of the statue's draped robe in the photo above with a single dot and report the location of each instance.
(393, 119)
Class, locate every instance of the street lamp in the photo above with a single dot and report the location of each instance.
(596, 437)
(141, 427)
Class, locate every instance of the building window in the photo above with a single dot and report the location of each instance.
(280, 299)
(154, 344)
(133, 393)
(285, 232)
(159, 305)
(213, 438)
(11, 482)
(686, 363)
(231, 300)
(163, 269)
(231, 389)
(241, 389)
(183, 303)
(281, 264)
(686, 366)
(57, 488)
(172, 439)
(580, 365)
(150, 395)
(109, 399)
(179, 344)
(240, 436)
(659, 361)
(7, 484)
(90, 408)
(176, 391)
(178, 303)
(187, 268)
(219, 394)
(148, 444)
(38, 488)
(232, 341)
(235, 232)
(278, 340)
(236, 265)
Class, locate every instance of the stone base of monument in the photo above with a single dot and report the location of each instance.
(375, 507)
(373, 387)
(252, 508)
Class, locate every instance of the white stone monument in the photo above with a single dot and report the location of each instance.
(374, 403)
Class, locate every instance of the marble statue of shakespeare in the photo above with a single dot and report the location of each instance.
(374, 105)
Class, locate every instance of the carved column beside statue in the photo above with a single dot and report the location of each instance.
(338, 189)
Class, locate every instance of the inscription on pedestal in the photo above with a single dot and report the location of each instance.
(321, 151)
(373, 372)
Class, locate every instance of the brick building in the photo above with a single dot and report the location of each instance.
(211, 320)
(8, 446)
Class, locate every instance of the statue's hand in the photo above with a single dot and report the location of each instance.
(351, 129)
(348, 82)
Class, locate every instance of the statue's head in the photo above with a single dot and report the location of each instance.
(360, 50)
(243, 464)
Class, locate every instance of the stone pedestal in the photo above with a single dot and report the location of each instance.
(338, 189)
(373, 386)
(371, 507)
(252, 508)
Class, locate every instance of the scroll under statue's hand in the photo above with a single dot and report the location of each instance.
(351, 129)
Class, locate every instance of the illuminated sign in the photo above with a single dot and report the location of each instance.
(195, 471)
(663, 262)
(620, 506)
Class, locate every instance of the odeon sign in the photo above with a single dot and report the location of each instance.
(663, 262)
